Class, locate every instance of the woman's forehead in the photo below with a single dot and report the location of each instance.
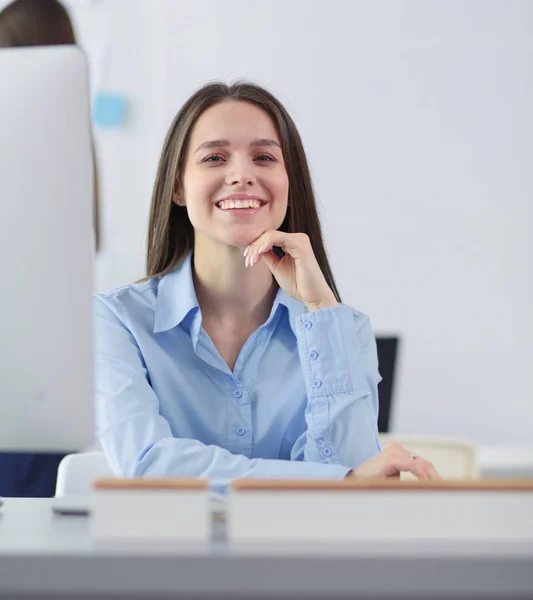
(235, 121)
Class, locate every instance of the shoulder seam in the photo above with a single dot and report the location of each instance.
(147, 286)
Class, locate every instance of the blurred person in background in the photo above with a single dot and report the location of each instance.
(36, 23)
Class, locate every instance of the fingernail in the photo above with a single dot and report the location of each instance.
(246, 262)
(260, 249)
(246, 250)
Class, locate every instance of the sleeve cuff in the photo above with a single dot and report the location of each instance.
(328, 345)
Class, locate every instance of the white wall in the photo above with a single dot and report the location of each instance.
(416, 117)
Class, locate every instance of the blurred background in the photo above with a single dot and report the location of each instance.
(416, 116)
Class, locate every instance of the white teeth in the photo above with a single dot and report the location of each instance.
(229, 204)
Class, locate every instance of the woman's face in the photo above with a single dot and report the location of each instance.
(235, 184)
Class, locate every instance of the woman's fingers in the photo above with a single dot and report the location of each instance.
(270, 259)
(294, 244)
(431, 471)
(395, 459)
(419, 467)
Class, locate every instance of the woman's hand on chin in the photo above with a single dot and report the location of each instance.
(298, 273)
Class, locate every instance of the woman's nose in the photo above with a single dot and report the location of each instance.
(240, 173)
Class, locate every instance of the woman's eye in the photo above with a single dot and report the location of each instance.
(264, 158)
(213, 158)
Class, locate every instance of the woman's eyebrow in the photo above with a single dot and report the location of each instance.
(224, 143)
(265, 142)
(212, 144)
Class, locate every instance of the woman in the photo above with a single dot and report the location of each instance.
(235, 357)
(35, 23)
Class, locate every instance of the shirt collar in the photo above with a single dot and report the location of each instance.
(176, 298)
(294, 308)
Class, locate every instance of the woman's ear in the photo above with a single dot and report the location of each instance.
(178, 197)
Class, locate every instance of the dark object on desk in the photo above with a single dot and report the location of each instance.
(387, 354)
(28, 475)
(63, 511)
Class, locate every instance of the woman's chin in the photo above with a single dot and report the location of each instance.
(242, 238)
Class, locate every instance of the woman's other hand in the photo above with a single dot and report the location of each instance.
(393, 460)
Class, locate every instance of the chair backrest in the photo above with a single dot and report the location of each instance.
(76, 473)
(453, 458)
(387, 348)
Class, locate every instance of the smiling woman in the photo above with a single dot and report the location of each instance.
(212, 142)
(234, 357)
(235, 167)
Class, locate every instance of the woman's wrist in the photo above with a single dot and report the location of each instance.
(326, 303)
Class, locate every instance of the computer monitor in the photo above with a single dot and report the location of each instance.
(387, 347)
(46, 249)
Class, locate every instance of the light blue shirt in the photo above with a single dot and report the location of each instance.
(301, 401)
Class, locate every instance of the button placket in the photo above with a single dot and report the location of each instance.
(240, 418)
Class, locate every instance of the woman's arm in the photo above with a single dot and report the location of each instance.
(338, 355)
(339, 358)
(138, 441)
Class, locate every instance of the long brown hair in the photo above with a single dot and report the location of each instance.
(43, 23)
(170, 232)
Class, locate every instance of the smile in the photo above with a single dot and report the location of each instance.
(240, 204)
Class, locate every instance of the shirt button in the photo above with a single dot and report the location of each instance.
(326, 452)
(308, 325)
(237, 393)
(313, 355)
(240, 431)
(317, 383)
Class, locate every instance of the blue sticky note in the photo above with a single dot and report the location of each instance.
(109, 110)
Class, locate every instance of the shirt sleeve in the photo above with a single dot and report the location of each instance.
(338, 355)
(138, 441)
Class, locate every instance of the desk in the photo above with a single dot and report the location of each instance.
(47, 556)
